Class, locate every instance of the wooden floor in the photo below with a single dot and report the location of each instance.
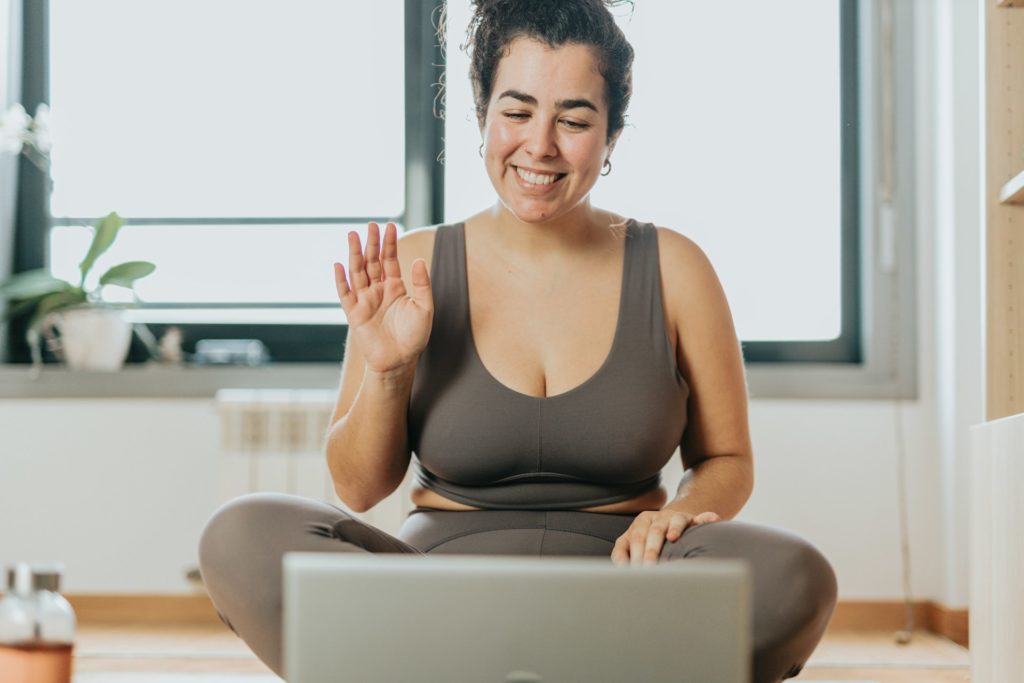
(126, 653)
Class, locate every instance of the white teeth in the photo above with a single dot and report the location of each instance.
(535, 178)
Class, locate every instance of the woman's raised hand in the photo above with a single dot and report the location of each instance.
(390, 325)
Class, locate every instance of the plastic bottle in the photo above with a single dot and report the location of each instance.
(17, 625)
(37, 627)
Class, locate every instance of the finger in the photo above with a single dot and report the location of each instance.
(373, 267)
(422, 294)
(637, 543)
(345, 295)
(389, 253)
(655, 539)
(705, 517)
(356, 271)
(620, 551)
(676, 527)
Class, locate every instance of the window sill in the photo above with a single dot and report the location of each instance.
(152, 380)
(203, 381)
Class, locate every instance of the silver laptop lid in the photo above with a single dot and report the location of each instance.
(503, 619)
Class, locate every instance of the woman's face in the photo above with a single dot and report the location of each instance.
(546, 131)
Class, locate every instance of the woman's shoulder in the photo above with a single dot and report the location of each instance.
(419, 242)
(690, 285)
(415, 244)
(680, 256)
(417, 237)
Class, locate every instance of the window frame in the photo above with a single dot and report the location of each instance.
(848, 346)
(885, 241)
(875, 355)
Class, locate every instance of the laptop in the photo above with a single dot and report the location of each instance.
(396, 618)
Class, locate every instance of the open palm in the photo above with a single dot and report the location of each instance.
(390, 325)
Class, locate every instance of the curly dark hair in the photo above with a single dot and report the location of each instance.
(496, 23)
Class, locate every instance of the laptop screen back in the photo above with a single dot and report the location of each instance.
(503, 619)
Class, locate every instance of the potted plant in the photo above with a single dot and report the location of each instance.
(93, 333)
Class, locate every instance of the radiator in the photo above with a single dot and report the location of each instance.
(997, 551)
(273, 440)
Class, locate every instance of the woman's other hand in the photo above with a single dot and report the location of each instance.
(392, 326)
(641, 543)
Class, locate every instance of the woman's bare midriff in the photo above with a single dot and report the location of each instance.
(654, 499)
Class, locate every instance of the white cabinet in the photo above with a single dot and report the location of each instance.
(997, 551)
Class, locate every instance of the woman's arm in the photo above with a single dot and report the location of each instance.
(367, 442)
(367, 448)
(716, 447)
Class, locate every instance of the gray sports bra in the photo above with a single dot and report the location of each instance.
(483, 444)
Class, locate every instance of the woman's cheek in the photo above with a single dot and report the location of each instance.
(501, 139)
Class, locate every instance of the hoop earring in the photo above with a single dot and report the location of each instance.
(607, 167)
(480, 151)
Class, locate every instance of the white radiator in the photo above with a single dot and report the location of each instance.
(997, 551)
(273, 440)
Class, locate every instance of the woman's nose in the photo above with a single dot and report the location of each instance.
(541, 141)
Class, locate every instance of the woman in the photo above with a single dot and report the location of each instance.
(540, 420)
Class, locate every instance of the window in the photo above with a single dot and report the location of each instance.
(269, 129)
(734, 137)
(775, 142)
(773, 134)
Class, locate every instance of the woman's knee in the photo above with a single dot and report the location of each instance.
(226, 531)
(810, 583)
(795, 589)
(247, 528)
(787, 569)
(801, 596)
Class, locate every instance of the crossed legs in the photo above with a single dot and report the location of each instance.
(242, 546)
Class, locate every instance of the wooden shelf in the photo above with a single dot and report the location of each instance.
(1013, 191)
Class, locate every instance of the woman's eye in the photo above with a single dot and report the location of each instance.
(576, 125)
(515, 115)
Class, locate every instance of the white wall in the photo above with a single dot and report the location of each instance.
(119, 490)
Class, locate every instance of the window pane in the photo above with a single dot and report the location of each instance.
(227, 109)
(211, 264)
(732, 138)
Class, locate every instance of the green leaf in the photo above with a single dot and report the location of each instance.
(20, 308)
(53, 302)
(103, 236)
(125, 274)
(31, 284)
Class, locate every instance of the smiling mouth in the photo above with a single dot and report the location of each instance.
(538, 179)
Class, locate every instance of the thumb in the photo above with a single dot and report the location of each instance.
(705, 517)
(421, 291)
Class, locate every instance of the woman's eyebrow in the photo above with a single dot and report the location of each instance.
(575, 103)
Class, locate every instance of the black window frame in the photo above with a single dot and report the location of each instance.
(424, 204)
(848, 346)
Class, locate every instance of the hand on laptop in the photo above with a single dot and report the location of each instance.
(641, 543)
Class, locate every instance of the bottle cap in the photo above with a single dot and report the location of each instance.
(19, 579)
(46, 577)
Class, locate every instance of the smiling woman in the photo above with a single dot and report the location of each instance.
(488, 348)
(543, 151)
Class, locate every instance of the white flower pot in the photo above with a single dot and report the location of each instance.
(93, 338)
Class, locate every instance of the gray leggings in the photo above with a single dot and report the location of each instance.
(242, 546)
